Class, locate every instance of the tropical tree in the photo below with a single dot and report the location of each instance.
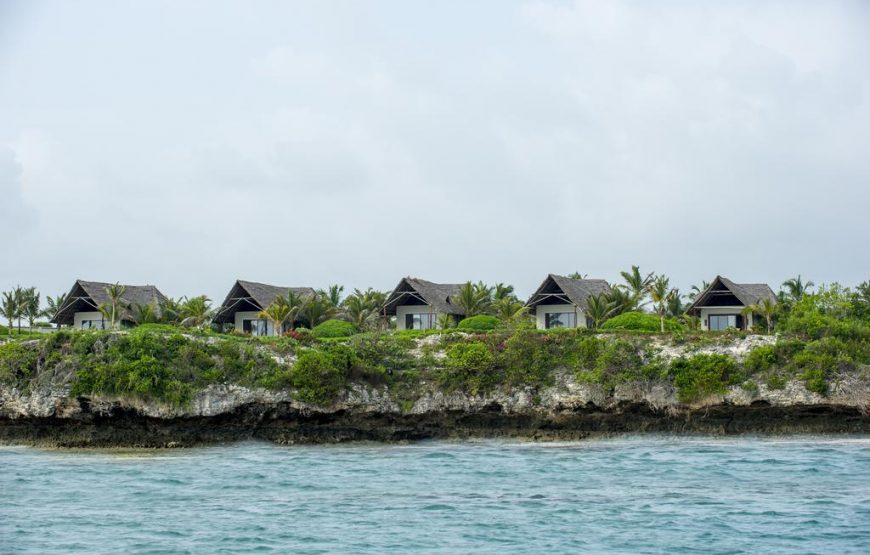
(112, 309)
(54, 304)
(508, 308)
(637, 284)
(622, 300)
(362, 308)
(279, 312)
(675, 306)
(142, 313)
(296, 303)
(9, 307)
(795, 288)
(502, 291)
(765, 307)
(445, 321)
(196, 311)
(697, 290)
(19, 296)
(332, 294)
(577, 275)
(318, 309)
(659, 290)
(599, 308)
(170, 310)
(473, 299)
(30, 305)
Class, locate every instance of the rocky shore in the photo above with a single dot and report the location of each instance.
(566, 411)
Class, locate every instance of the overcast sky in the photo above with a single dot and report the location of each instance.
(187, 144)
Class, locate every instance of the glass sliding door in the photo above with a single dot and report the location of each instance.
(560, 320)
(718, 322)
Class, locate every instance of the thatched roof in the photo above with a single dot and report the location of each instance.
(746, 293)
(416, 291)
(87, 296)
(253, 296)
(557, 289)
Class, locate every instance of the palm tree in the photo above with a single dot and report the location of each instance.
(445, 321)
(501, 291)
(30, 306)
(333, 294)
(113, 307)
(9, 308)
(318, 309)
(637, 283)
(363, 307)
(473, 299)
(796, 288)
(767, 308)
(278, 313)
(599, 309)
(577, 275)
(621, 299)
(675, 304)
(170, 310)
(142, 313)
(661, 294)
(296, 303)
(19, 295)
(196, 311)
(698, 290)
(54, 305)
(509, 308)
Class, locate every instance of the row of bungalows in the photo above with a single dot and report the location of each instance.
(559, 302)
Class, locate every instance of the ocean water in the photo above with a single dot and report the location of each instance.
(629, 495)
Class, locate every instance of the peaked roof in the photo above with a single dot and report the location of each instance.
(746, 293)
(87, 296)
(260, 295)
(577, 291)
(437, 295)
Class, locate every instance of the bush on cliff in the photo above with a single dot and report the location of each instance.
(703, 375)
(334, 328)
(319, 376)
(18, 363)
(469, 366)
(481, 322)
(639, 321)
(527, 359)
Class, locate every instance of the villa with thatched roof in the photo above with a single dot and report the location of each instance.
(81, 309)
(247, 299)
(560, 302)
(721, 304)
(417, 303)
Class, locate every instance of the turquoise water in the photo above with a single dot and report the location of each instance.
(635, 495)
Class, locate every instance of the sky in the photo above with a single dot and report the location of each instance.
(188, 144)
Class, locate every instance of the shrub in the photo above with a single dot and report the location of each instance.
(526, 359)
(334, 328)
(482, 322)
(702, 375)
(17, 362)
(640, 321)
(4, 330)
(319, 376)
(761, 359)
(470, 366)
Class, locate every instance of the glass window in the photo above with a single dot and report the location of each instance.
(93, 324)
(719, 322)
(560, 320)
(257, 328)
(425, 321)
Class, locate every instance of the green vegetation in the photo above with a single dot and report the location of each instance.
(703, 375)
(481, 322)
(640, 321)
(334, 328)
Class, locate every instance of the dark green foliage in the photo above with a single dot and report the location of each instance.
(18, 362)
(640, 321)
(334, 328)
(703, 375)
(761, 359)
(527, 359)
(469, 366)
(481, 322)
(319, 376)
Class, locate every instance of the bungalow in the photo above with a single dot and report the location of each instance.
(721, 304)
(81, 308)
(560, 302)
(247, 299)
(418, 303)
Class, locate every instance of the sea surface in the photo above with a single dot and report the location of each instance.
(630, 495)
